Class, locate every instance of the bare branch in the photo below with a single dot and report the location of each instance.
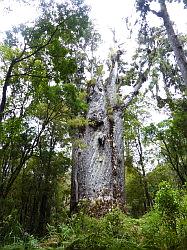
(128, 99)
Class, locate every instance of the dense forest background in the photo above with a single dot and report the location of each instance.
(57, 96)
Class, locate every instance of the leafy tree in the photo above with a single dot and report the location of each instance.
(135, 196)
(137, 156)
(39, 72)
(173, 145)
(161, 172)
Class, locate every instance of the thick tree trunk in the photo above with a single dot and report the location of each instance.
(116, 134)
(92, 170)
(98, 164)
(98, 169)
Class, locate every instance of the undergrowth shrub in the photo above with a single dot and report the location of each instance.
(155, 234)
(10, 229)
(113, 231)
(27, 243)
(165, 226)
(182, 223)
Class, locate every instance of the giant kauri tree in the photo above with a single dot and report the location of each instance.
(98, 165)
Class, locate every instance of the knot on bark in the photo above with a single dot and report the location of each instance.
(95, 123)
(101, 139)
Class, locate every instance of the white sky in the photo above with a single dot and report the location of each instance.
(106, 14)
(111, 14)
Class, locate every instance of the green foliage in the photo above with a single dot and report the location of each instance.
(74, 99)
(135, 196)
(161, 227)
(161, 173)
(167, 201)
(170, 135)
(42, 76)
(11, 230)
(157, 235)
(113, 231)
(164, 227)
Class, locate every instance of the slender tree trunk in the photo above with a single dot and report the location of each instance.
(173, 40)
(149, 202)
(4, 91)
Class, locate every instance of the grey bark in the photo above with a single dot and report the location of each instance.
(173, 40)
(98, 169)
(98, 164)
(92, 168)
(116, 134)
